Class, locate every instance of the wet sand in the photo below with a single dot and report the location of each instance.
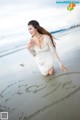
(27, 95)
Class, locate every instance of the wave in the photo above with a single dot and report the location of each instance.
(8, 52)
(62, 30)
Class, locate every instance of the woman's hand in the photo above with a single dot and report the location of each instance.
(64, 68)
(31, 43)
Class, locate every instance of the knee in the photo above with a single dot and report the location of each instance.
(51, 72)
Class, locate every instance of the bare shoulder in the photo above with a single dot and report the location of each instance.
(46, 37)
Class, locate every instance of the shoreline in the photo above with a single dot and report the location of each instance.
(21, 47)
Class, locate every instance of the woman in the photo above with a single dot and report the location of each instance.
(43, 47)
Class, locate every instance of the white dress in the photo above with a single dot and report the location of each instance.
(45, 55)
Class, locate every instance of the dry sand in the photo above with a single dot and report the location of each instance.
(27, 95)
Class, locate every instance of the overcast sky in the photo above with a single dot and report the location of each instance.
(35, 2)
(39, 3)
(14, 14)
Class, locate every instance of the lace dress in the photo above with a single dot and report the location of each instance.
(45, 55)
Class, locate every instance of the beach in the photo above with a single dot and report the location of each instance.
(27, 95)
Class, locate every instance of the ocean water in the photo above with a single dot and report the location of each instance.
(14, 18)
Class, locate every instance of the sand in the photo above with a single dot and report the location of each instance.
(27, 95)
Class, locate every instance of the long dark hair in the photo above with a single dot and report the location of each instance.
(41, 30)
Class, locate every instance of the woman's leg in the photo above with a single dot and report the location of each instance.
(51, 71)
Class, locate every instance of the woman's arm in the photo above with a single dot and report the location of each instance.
(30, 44)
(54, 52)
(31, 48)
(55, 55)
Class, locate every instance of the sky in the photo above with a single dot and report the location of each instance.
(38, 2)
(15, 15)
